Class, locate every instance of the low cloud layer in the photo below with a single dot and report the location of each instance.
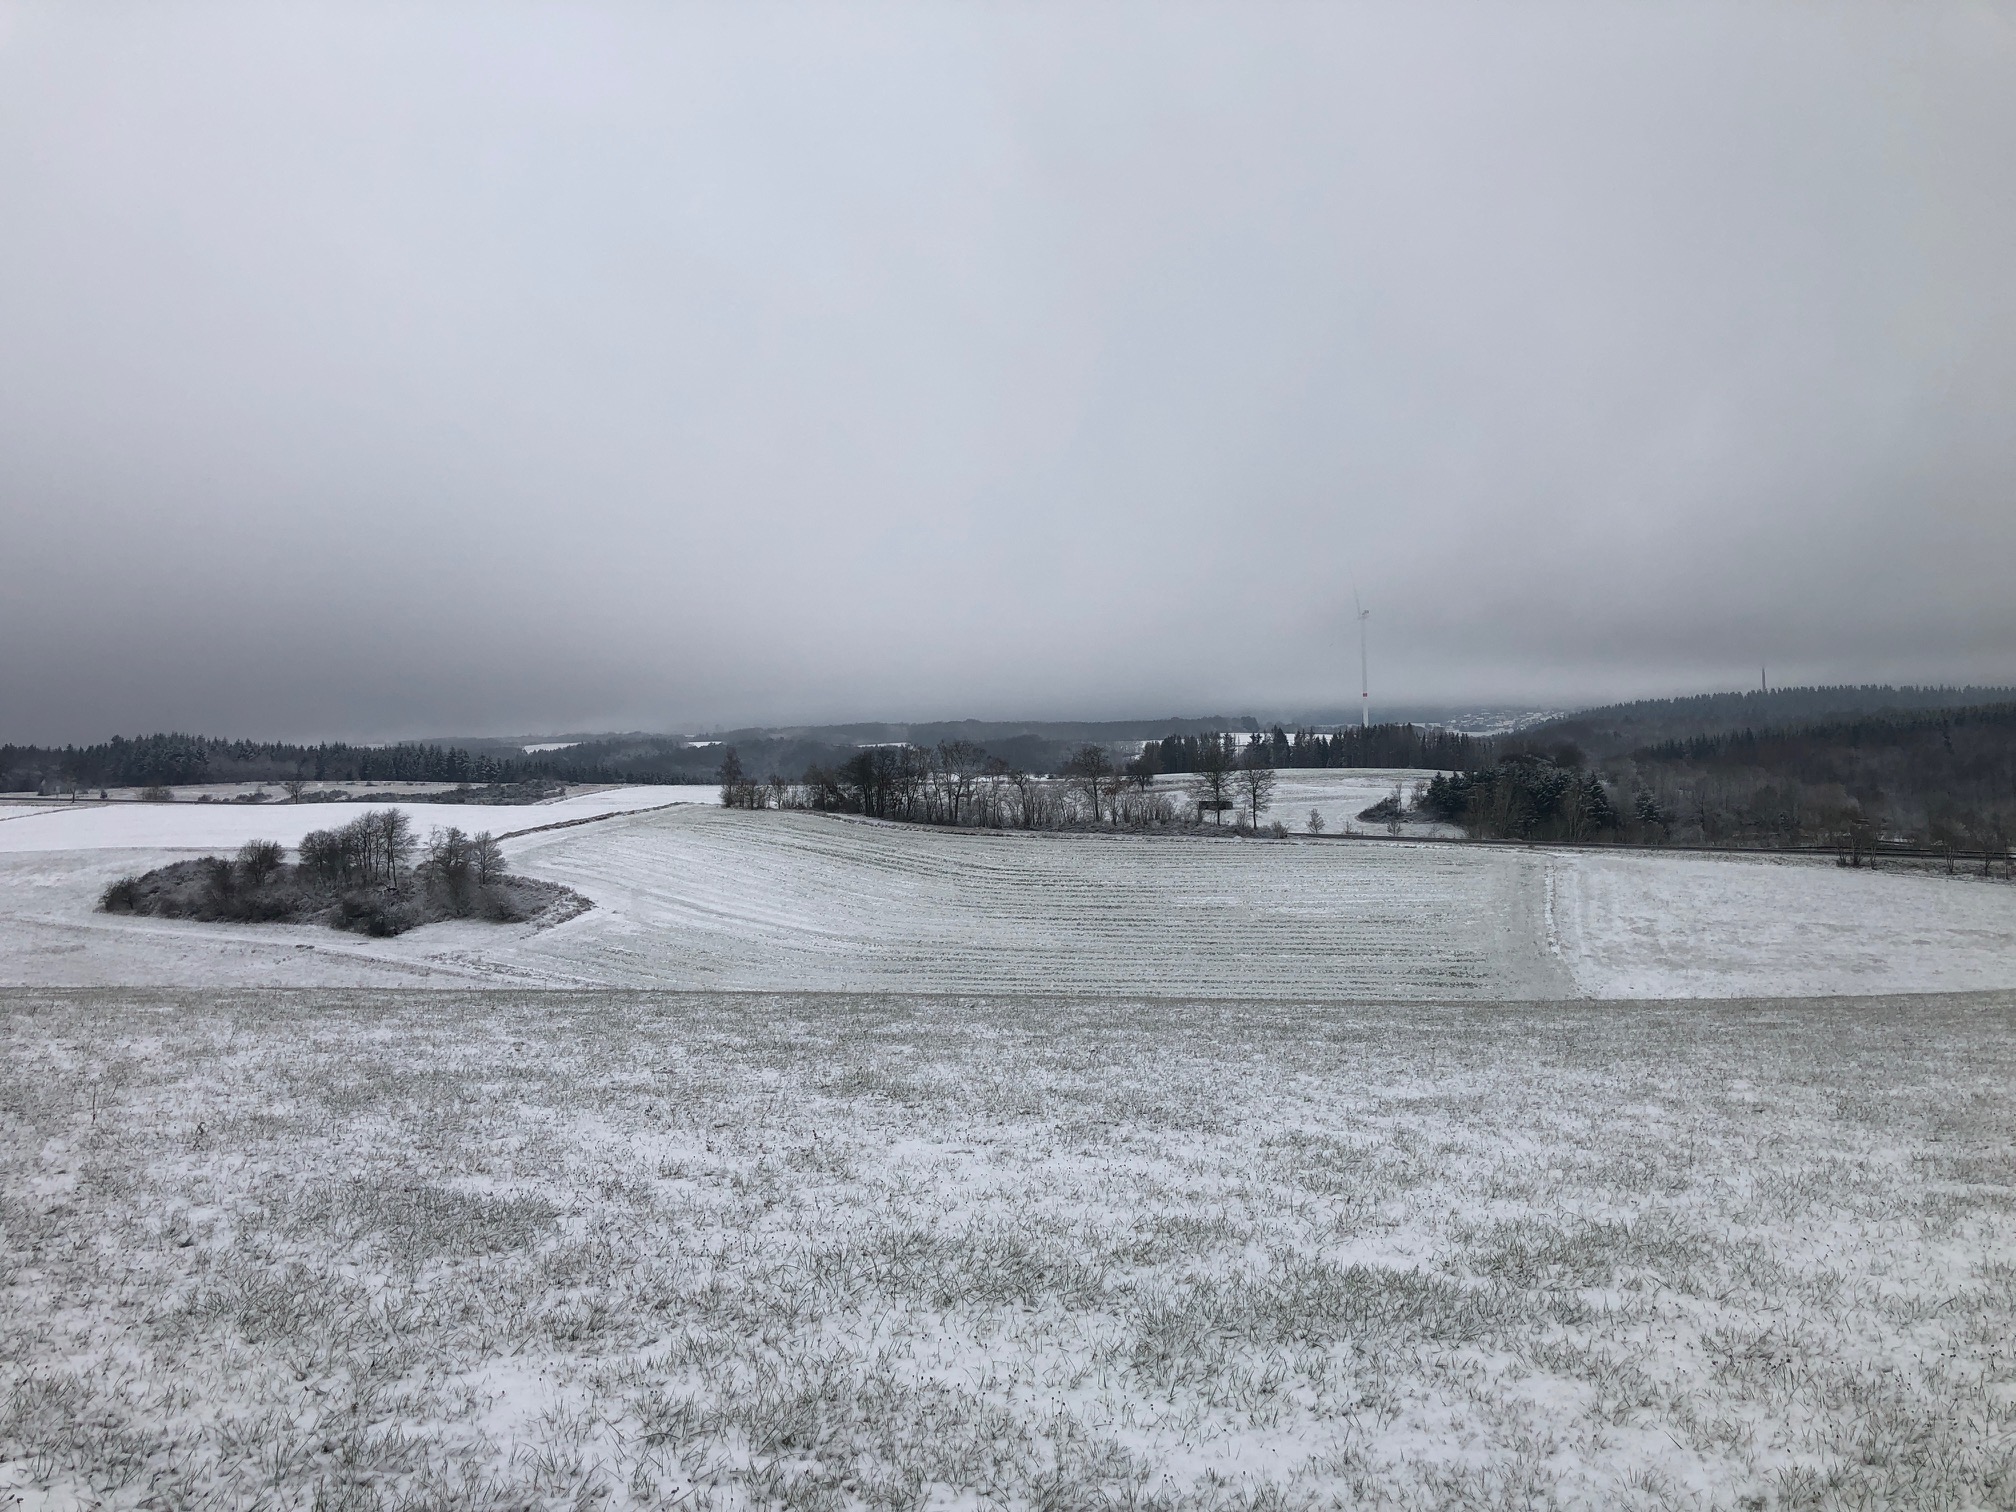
(375, 370)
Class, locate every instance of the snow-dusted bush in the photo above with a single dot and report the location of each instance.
(353, 878)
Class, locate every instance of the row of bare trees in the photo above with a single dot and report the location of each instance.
(1229, 778)
(370, 850)
(375, 848)
(958, 783)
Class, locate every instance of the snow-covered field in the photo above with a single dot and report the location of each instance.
(692, 896)
(495, 1250)
(1340, 796)
(1010, 1170)
(218, 826)
(771, 901)
(1638, 925)
(703, 897)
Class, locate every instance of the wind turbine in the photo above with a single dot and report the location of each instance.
(1364, 681)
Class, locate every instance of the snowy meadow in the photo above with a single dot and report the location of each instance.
(837, 1165)
(640, 1250)
(690, 895)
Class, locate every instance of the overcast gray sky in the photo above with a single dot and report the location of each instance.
(384, 369)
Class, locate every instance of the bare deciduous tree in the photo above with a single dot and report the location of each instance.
(991, 794)
(1212, 785)
(1088, 770)
(395, 841)
(734, 783)
(450, 867)
(1030, 798)
(1256, 790)
(487, 856)
(260, 859)
(961, 762)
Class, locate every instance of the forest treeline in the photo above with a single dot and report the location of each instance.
(1425, 747)
(1861, 768)
(1937, 778)
(186, 760)
(176, 760)
(1619, 729)
(171, 761)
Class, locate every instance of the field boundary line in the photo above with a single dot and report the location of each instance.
(36, 811)
(560, 824)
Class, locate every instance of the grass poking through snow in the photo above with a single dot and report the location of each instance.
(610, 1250)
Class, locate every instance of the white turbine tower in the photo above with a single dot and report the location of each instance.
(1364, 680)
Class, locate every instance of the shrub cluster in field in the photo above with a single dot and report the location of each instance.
(361, 877)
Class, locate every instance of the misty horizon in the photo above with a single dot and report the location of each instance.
(387, 372)
(1487, 717)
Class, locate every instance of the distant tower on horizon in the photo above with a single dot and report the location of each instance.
(1763, 681)
(1364, 678)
